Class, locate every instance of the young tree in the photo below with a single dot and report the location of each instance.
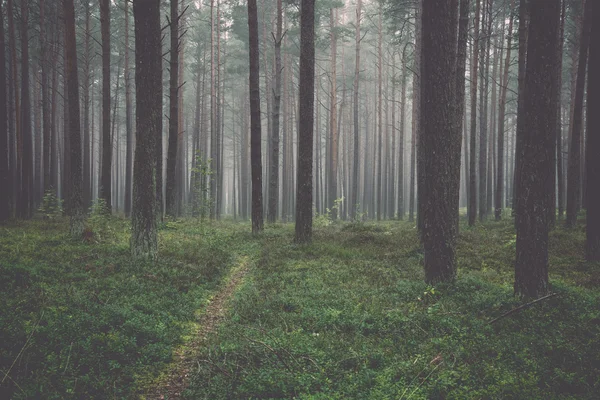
(4, 166)
(148, 79)
(440, 188)
(306, 100)
(255, 123)
(531, 267)
(106, 176)
(593, 142)
(76, 185)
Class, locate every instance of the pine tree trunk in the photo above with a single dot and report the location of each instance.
(306, 100)
(333, 129)
(172, 152)
(87, 154)
(4, 134)
(76, 177)
(355, 169)
(473, 133)
(26, 200)
(538, 144)
(274, 178)
(106, 180)
(128, 119)
(501, 117)
(148, 84)
(439, 189)
(593, 142)
(574, 171)
(255, 129)
(559, 130)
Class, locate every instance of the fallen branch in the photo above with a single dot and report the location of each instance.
(514, 310)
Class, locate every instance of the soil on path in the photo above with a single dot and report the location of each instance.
(176, 379)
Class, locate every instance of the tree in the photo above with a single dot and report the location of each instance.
(593, 143)
(356, 156)
(255, 123)
(333, 160)
(4, 166)
(531, 267)
(106, 176)
(473, 133)
(128, 119)
(148, 79)
(440, 188)
(25, 203)
(76, 187)
(274, 178)
(306, 100)
(501, 114)
(171, 193)
(574, 170)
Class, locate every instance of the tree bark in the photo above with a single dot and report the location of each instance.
(355, 170)
(538, 143)
(473, 133)
(439, 190)
(274, 179)
(306, 100)
(148, 79)
(106, 180)
(76, 177)
(26, 199)
(501, 115)
(559, 137)
(128, 119)
(574, 170)
(333, 131)
(171, 193)
(255, 129)
(4, 149)
(593, 143)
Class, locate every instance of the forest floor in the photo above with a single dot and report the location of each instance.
(224, 315)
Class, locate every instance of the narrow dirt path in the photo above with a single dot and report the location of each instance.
(176, 379)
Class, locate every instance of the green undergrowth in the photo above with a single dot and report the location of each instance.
(349, 317)
(79, 319)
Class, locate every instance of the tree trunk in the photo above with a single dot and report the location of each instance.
(274, 179)
(148, 84)
(26, 199)
(128, 119)
(501, 116)
(438, 194)
(172, 152)
(76, 178)
(356, 172)
(473, 134)
(106, 180)
(593, 143)
(4, 149)
(559, 136)
(574, 170)
(333, 131)
(538, 143)
(306, 100)
(255, 134)
(18, 159)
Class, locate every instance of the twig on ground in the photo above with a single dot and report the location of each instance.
(514, 310)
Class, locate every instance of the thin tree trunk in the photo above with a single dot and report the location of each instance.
(26, 200)
(128, 119)
(4, 133)
(255, 139)
(501, 117)
(473, 134)
(355, 180)
(559, 135)
(333, 128)
(105, 185)
(574, 170)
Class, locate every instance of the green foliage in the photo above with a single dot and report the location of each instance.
(51, 207)
(80, 320)
(350, 317)
(201, 201)
(99, 221)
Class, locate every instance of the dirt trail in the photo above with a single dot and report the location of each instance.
(176, 379)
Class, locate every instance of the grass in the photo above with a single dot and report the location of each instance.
(81, 320)
(347, 316)
(350, 317)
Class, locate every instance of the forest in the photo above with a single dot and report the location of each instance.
(299, 199)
